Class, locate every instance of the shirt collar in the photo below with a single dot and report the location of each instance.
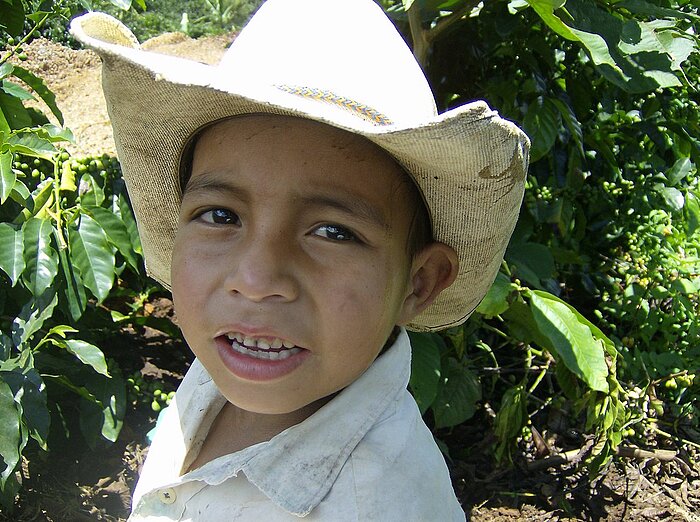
(297, 467)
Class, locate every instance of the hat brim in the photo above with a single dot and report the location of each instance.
(469, 163)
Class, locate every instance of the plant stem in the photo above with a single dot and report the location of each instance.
(24, 40)
(57, 201)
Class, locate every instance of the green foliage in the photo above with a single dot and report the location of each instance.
(193, 17)
(609, 231)
(68, 237)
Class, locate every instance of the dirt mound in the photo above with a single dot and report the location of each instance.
(74, 77)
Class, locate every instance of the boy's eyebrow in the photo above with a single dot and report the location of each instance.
(347, 204)
(352, 206)
(206, 182)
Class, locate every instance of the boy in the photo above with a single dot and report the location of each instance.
(305, 203)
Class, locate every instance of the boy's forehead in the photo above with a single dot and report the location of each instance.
(261, 128)
(252, 138)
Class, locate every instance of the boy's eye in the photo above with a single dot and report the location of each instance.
(335, 233)
(220, 216)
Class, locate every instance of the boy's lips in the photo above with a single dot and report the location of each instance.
(258, 358)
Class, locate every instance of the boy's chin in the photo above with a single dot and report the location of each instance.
(299, 408)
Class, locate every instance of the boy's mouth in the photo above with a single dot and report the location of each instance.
(274, 348)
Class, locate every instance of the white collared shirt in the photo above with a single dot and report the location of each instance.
(366, 455)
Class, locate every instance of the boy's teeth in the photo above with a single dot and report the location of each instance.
(265, 345)
(272, 355)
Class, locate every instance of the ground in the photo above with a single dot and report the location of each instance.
(75, 483)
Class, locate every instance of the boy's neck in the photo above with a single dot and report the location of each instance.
(235, 429)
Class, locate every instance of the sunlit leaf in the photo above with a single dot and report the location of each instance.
(679, 171)
(496, 300)
(12, 251)
(7, 176)
(88, 354)
(16, 90)
(672, 196)
(41, 260)
(29, 144)
(117, 233)
(692, 213)
(572, 340)
(127, 216)
(93, 256)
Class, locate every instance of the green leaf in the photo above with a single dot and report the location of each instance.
(106, 415)
(496, 300)
(457, 398)
(121, 4)
(41, 260)
(55, 134)
(572, 123)
(117, 233)
(28, 387)
(531, 261)
(510, 419)
(571, 339)
(8, 176)
(692, 213)
(73, 289)
(16, 114)
(11, 253)
(93, 256)
(30, 144)
(541, 124)
(33, 316)
(425, 368)
(91, 193)
(641, 7)
(41, 89)
(88, 354)
(12, 17)
(6, 70)
(10, 431)
(127, 216)
(16, 90)
(679, 171)
(672, 196)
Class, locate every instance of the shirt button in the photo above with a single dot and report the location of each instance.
(167, 495)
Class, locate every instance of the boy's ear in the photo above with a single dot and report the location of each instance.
(433, 269)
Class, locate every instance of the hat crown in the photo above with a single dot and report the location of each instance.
(334, 50)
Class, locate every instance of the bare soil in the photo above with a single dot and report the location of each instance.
(75, 483)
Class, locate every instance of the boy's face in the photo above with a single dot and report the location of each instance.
(290, 267)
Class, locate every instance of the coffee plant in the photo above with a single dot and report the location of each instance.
(69, 240)
(594, 317)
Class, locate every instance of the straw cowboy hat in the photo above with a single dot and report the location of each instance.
(340, 62)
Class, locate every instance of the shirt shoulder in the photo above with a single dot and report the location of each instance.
(397, 472)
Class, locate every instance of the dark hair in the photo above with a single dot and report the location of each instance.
(420, 233)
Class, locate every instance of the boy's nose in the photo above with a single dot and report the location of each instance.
(260, 270)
